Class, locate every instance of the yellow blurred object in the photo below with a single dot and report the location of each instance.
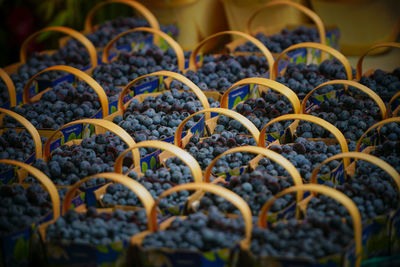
(196, 19)
(238, 13)
(362, 23)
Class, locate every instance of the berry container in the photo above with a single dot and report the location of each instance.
(350, 255)
(16, 247)
(66, 252)
(45, 82)
(154, 84)
(168, 151)
(75, 131)
(327, 37)
(181, 257)
(8, 176)
(376, 233)
(98, 126)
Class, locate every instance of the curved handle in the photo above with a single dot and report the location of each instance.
(227, 112)
(217, 190)
(31, 129)
(389, 106)
(322, 189)
(360, 60)
(278, 87)
(281, 160)
(179, 77)
(267, 54)
(323, 123)
(339, 56)
(363, 156)
(108, 125)
(376, 125)
(177, 151)
(306, 11)
(144, 195)
(172, 43)
(78, 73)
(357, 85)
(133, 4)
(47, 183)
(75, 34)
(10, 87)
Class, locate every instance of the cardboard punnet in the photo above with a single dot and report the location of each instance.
(74, 131)
(169, 150)
(254, 87)
(156, 83)
(9, 175)
(42, 84)
(376, 231)
(69, 253)
(101, 126)
(351, 255)
(152, 256)
(327, 37)
(15, 248)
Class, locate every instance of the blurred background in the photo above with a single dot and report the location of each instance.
(361, 22)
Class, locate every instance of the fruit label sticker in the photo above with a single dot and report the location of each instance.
(240, 94)
(150, 161)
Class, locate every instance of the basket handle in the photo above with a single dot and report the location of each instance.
(227, 112)
(176, 151)
(133, 4)
(108, 125)
(75, 34)
(306, 11)
(266, 153)
(361, 59)
(339, 56)
(179, 77)
(10, 87)
(304, 117)
(357, 85)
(78, 73)
(144, 195)
(376, 125)
(172, 43)
(363, 156)
(47, 183)
(332, 193)
(267, 54)
(217, 190)
(31, 129)
(389, 106)
(278, 87)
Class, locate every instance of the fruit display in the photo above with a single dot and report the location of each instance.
(121, 149)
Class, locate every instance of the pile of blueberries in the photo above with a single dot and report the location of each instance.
(302, 78)
(16, 146)
(218, 73)
(156, 181)
(198, 232)
(372, 190)
(62, 104)
(280, 41)
(158, 117)
(310, 239)
(69, 164)
(109, 29)
(385, 84)
(131, 65)
(352, 115)
(96, 228)
(20, 207)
